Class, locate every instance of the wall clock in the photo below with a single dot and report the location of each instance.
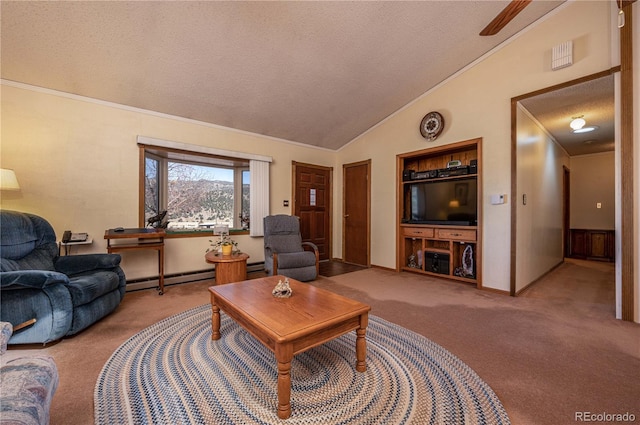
(431, 126)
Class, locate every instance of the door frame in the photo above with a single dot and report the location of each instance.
(366, 162)
(566, 211)
(625, 265)
(294, 191)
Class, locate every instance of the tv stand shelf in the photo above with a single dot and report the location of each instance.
(439, 245)
(448, 248)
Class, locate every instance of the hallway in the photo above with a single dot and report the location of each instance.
(586, 284)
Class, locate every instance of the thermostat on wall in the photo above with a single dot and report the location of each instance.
(498, 199)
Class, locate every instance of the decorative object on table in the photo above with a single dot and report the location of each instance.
(412, 261)
(245, 221)
(467, 261)
(466, 269)
(158, 221)
(408, 378)
(225, 245)
(282, 289)
(431, 126)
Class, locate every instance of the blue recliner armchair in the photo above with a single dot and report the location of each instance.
(64, 294)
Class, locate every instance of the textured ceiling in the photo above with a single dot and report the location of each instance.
(319, 73)
(593, 100)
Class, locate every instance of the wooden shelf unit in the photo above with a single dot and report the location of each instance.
(431, 249)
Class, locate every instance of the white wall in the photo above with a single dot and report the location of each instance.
(592, 182)
(476, 103)
(77, 163)
(539, 224)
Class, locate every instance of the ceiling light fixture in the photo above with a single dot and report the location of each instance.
(586, 129)
(577, 123)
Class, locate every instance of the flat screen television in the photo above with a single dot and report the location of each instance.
(452, 202)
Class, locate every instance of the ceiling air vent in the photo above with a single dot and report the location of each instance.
(562, 55)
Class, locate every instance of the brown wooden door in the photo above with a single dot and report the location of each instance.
(566, 212)
(312, 203)
(356, 202)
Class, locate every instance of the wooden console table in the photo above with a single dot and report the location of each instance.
(229, 268)
(145, 239)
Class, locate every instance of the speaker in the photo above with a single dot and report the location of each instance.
(436, 262)
(473, 167)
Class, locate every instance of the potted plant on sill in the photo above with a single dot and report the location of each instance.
(225, 245)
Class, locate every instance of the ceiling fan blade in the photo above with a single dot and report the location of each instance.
(504, 17)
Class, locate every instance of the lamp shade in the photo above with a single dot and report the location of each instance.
(577, 123)
(8, 180)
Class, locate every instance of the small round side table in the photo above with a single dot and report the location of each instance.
(229, 268)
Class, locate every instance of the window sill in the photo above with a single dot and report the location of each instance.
(188, 233)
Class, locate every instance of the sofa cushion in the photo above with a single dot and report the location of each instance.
(76, 264)
(28, 385)
(285, 243)
(85, 288)
(18, 237)
(6, 329)
(26, 242)
(295, 260)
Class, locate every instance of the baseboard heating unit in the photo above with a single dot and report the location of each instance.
(180, 278)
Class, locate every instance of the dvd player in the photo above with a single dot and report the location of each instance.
(422, 175)
(453, 171)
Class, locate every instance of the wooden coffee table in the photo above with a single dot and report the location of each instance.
(288, 326)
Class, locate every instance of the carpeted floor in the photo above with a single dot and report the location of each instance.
(554, 351)
(172, 372)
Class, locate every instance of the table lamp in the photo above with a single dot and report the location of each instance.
(8, 180)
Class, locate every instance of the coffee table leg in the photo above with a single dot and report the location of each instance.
(215, 321)
(284, 355)
(361, 344)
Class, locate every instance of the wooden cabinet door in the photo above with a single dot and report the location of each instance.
(592, 244)
(578, 243)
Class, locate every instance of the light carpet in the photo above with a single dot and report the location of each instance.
(173, 373)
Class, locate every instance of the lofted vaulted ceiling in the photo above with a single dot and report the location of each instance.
(318, 73)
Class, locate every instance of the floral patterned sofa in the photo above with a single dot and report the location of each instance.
(28, 383)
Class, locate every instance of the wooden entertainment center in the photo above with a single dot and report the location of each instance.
(451, 246)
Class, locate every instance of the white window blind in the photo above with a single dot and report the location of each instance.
(259, 195)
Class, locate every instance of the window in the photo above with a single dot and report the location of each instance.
(197, 193)
(200, 187)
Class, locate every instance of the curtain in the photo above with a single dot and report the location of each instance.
(259, 195)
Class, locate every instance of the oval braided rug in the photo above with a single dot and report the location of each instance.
(173, 373)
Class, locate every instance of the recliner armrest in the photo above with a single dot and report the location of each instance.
(310, 244)
(74, 264)
(314, 247)
(31, 279)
